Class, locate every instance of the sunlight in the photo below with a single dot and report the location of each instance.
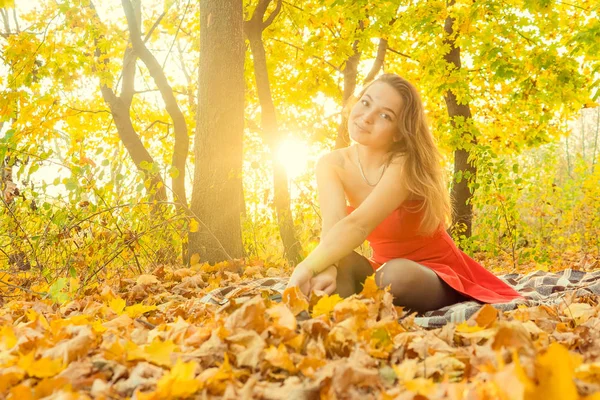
(293, 154)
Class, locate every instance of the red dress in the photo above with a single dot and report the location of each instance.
(397, 237)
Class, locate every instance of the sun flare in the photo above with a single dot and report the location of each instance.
(293, 154)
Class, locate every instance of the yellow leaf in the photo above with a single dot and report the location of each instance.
(280, 358)
(555, 371)
(370, 288)
(8, 339)
(179, 382)
(325, 305)
(464, 327)
(117, 305)
(9, 380)
(295, 300)
(194, 225)
(194, 259)
(421, 386)
(157, 352)
(137, 310)
(486, 316)
(42, 368)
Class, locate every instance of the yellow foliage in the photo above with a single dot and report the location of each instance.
(179, 382)
(42, 368)
(325, 305)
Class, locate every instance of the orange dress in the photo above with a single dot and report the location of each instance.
(397, 237)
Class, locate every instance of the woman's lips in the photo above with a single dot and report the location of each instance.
(361, 128)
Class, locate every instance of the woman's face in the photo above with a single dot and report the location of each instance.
(373, 120)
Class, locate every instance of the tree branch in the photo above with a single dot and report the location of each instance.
(181, 146)
(381, 50)
(273, 15)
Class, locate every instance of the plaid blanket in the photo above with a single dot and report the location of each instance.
(536, 287)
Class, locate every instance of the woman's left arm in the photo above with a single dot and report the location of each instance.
(351, 231)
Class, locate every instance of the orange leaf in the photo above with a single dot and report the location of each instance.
(486, 316)
(295, 300)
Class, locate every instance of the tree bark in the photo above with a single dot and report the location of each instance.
(254, 28)
(461, 194)
(219, 133)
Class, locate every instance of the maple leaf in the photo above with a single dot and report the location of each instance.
(284, 322)
(251, 315)
(280, 358)
(117, 305)
(247, 346)
(370, 288)
(295, 300)
(157, 352)
(8, 338)
(138, 310)
(70, 349)
(42, 368)
(325, 305)
(555, 370)
(179, 382)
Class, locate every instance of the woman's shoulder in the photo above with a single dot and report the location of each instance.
(337, 159)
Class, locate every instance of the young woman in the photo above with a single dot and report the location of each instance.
(398, 201)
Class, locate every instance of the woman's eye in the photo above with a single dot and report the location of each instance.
(364, 102)
(385, 116)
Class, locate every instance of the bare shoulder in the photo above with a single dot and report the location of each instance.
(335, 159)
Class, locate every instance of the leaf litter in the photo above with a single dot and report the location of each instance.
(153, 338)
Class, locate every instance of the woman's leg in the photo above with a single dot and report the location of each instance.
(415, 286)
(352, 272)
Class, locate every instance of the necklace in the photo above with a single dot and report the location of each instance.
(362, 172)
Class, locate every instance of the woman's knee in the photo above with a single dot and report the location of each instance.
(402, 275)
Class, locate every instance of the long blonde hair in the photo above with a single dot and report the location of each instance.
(422, 171)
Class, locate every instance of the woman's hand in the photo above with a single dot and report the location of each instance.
(326, 280)
(301, 277)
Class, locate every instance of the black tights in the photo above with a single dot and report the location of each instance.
(413, 286)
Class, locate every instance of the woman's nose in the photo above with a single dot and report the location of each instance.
(368, 116)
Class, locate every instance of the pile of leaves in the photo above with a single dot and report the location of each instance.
(152, 337)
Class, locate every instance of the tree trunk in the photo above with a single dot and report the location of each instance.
(254, 29)
(461, 194)
(219, 133)
(350, 75)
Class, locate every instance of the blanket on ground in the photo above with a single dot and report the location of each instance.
(537, 287)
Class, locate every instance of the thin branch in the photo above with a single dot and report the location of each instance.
(335, 67)
(399, 53)
(176, 33)
(88, 111)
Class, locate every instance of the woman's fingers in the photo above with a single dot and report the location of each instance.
(331, 288)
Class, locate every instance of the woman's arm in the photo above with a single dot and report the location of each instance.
(332, 200)
(351, 231)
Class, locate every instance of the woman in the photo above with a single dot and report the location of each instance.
(398, 201)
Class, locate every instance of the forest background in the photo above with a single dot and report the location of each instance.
(123, 129)
(155, 152)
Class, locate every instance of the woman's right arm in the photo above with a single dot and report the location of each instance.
(332, 200)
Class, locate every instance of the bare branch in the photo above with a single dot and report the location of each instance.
(399, 53)
(181, 146)
(335, 67)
